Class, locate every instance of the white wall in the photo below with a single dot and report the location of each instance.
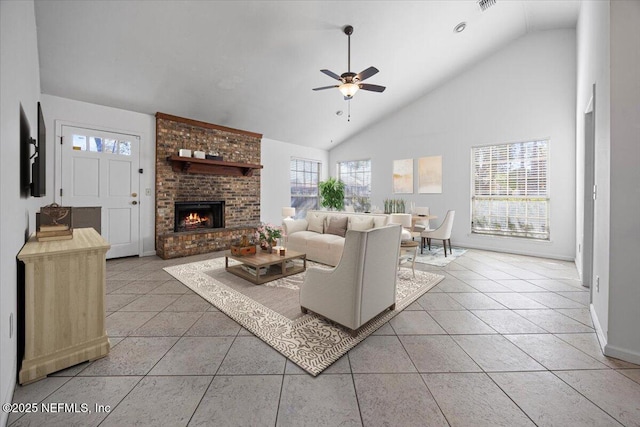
(524, 91)
(275, 185)
(20, 87)
(592, 42)
(624, 254)
(113, 119)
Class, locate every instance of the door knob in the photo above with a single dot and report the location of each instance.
(134, 202)
(134, 194)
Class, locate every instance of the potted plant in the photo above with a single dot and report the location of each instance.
(267, 234)
(332, 194)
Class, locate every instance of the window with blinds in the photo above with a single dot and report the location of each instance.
(510, 195)
(304, 176)
(356, 175)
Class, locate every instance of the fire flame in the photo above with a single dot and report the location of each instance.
(194, 218)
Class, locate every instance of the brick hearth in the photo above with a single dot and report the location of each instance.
(241, 194)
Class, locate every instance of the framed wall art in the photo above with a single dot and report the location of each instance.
(403, 176)
(430, 175)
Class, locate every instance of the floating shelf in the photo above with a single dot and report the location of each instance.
(211, 167)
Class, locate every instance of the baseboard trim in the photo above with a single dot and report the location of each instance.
(622, 354)
(515, 252)
(602, 339)
(149, 253)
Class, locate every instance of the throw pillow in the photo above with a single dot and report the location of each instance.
(338, 226)
(316, 223)
(360, 223)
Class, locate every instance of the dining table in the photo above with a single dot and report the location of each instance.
(418, 218)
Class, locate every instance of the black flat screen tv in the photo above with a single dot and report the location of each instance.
(39, 166)
(25, 155)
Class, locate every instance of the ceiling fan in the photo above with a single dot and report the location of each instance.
(352, 82)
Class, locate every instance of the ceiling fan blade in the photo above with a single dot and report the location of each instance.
(331, 74)
(363, 75)
(372, 88)
(325, 87)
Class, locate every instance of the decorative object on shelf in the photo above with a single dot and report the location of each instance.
(332, 194)
(288, 213)
(267, 235)
(430, 175)
(403, 176)
(53, 222)
(213, 155)
(184, 152)
(198, 154)
(394, 206)
(211, 167)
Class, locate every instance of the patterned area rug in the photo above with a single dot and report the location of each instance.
(308, 340)
(436, 256)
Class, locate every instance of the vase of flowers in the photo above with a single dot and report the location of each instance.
(267, 235)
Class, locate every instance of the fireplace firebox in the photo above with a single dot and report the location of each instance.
(196, 215)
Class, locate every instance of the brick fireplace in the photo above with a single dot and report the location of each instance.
(194, 183)
(198, 215)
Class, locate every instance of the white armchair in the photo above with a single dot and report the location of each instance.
(441, 233)
(362, 285)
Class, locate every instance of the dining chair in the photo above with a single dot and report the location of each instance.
(421, 224)
(441, 233)
(404, 219)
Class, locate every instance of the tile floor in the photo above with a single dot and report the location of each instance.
(503, 340)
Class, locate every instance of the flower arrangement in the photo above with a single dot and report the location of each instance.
(268, 233)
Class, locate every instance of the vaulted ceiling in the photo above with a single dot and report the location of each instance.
(252, 64)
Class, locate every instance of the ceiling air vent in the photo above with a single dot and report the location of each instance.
(486, 4)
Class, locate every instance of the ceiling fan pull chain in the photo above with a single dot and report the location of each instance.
(349, 110)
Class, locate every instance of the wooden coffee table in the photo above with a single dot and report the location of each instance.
(263, 267)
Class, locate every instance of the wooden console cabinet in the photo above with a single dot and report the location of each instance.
(64, 311)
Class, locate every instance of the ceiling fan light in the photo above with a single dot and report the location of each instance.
(348, 89)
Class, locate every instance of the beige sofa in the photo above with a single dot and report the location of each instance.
(313, 235)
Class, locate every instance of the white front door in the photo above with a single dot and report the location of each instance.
(100, 168)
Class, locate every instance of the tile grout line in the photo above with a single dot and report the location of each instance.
(581, 394)
(142, 377)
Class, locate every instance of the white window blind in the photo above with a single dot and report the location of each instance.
(510, 195)
(304, 177)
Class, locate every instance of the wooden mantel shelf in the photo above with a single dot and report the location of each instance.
(211, 167)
